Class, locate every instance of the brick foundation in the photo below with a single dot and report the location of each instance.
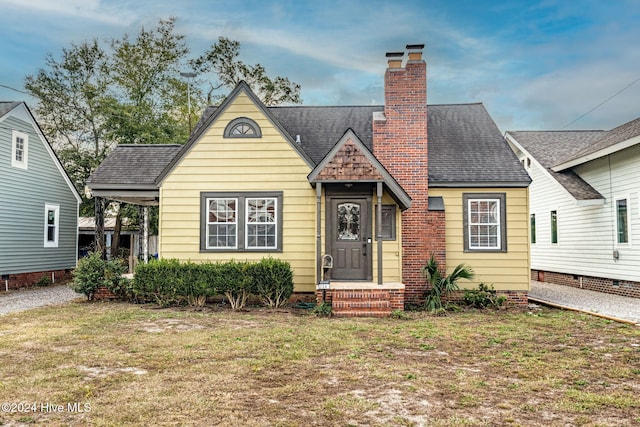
(599, 284)
(23, 280)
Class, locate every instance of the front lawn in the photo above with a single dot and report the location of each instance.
(107, 364)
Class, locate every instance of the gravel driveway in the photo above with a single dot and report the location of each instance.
(28, 298)
(599, 303)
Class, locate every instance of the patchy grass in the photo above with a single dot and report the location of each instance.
(120, 364)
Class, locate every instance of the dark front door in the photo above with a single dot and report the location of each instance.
(350, 238)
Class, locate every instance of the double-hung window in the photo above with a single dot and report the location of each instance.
(51, 225)
(622, 220)
(19, 149)
(241, 222)
(485, 227)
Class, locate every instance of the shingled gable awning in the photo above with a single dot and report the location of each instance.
(129, 174)
(351, 161)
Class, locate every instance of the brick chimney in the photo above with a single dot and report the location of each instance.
(400, 143)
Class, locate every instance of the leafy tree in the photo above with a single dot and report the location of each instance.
(70, 108)
(222, 59)
(131, 91)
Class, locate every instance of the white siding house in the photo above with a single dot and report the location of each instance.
(584, 206)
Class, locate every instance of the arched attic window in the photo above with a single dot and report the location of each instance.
(242, 127)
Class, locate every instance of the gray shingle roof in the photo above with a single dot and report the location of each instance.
(621, 133)
(552, 147)
(134, 165)
(465, 145)
(6, 106)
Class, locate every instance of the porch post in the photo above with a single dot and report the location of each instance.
(379, 230)
(318, 232)
(145, 236)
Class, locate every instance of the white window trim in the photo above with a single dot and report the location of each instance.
(54, 243)
(531, 231)
(234, 247)
(554, 208)
(25, 158)
(246, 223)
(626, 197)
(501, 204)
(497, 224)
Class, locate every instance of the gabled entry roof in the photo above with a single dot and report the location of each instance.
(351, 161)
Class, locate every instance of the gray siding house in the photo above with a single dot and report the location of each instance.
(38, 204)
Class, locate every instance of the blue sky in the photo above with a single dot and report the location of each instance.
(534, 64)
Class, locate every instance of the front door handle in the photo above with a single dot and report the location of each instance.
(364, 248)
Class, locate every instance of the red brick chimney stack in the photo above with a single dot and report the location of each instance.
(400, 143)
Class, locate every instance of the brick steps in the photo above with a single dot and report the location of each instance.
(354, 303)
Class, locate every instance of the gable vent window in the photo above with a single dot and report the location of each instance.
(242, 127)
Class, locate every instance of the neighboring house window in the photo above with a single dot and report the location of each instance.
(241, 222)
(554, 226)
(388, 231)
(242, 127)
(51, 225)
(622, 220)
(485, 222)
(19, 149)
(532, 219)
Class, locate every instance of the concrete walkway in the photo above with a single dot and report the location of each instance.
(600, 304)
(28, 298)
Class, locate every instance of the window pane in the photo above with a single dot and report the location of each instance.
(222, 223)
(261, 236)
(261, 223)
(51, 234)
(621, 214)
(348, 221)
(533, 228)
(554, 227)
(261, 210)
(19, 149)
(484, 224)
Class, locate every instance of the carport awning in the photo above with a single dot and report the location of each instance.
(136, 197)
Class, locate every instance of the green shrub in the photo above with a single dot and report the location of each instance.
(160, 281)
(45, 280)
(442, 285)
(322, 310)
(482, 297)
(93, 272)
(168, 282)
(273, 281)
(235, 280)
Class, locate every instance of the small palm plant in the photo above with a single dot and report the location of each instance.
(442, 285)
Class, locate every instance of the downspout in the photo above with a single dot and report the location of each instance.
(318, 232)
(379, 230)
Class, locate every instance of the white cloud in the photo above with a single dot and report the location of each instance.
(93, 10)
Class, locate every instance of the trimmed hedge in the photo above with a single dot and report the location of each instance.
(170, 282)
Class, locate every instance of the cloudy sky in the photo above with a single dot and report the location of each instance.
(534, 64)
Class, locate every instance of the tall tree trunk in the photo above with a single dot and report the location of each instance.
(115, 240)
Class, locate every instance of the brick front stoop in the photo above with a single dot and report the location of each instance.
(369, 300)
